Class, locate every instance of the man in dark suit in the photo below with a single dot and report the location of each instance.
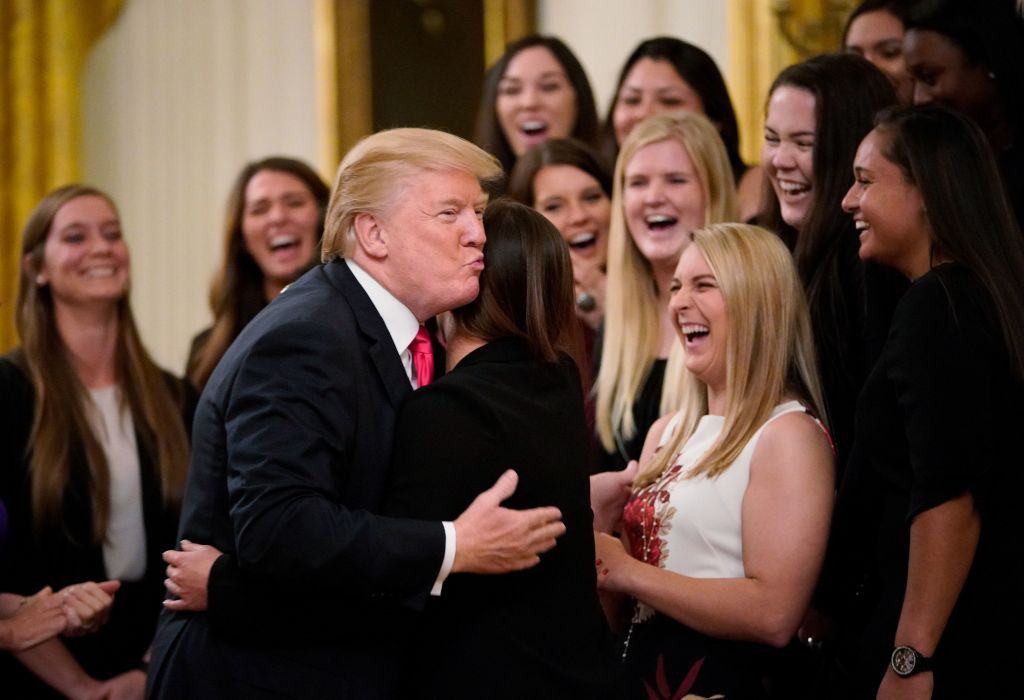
(293, 438)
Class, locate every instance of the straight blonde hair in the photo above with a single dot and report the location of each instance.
(632, 309)
(769, 347)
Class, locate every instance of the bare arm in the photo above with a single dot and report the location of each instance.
(786, 513)
(52, 663)
(25, 622)
(943, 541)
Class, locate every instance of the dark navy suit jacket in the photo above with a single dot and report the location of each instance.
(291, 447)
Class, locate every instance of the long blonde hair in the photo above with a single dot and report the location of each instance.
(60, 423)
(632, 310)
(769, 347)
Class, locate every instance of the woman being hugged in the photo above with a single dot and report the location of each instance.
(672, 177)
(727, 523)
(93, 444)
(514, 395)
(275, 219)
(928, 507)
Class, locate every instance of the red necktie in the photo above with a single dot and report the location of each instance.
(422, 357)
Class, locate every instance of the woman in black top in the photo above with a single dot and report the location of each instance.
(93, 448)
(924, 521)
(511, 400)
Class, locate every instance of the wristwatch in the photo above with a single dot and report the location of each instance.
(906, 661)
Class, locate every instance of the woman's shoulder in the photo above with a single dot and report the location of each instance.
(792, 427)
(795, 448)
(949, 297)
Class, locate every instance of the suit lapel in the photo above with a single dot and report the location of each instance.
(379, 343)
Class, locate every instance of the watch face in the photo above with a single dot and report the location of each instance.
(904, 659)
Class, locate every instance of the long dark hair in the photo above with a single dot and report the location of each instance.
(848, 92)
(236, 294)
(555, 152)
(947, 158)
(488, 134)
(526, 289)
(60, 423)
(700, 72)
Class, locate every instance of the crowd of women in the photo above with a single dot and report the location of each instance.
(802, 381)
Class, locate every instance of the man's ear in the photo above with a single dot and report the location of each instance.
(40, 277)
(370, 235)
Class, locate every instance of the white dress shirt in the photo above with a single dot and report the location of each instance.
(402, 326)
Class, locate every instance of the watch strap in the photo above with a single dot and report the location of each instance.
(897, 661)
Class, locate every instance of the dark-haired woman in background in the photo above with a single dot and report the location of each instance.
(274, 223)
(875, 31)
(929, 507)
(535, 92)
(93, 446)
(817, 113)
(666, 74)
(969, 56)
(565, 181)
(513, 394)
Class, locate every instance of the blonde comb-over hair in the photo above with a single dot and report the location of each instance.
(373, 174)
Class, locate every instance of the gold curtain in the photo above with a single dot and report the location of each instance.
(43, 46)
(765, 36)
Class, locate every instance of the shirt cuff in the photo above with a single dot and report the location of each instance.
(449, 557)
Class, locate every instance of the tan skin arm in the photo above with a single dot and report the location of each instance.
(943, 541)
(52, 663)
(782, 547)
(25, 622)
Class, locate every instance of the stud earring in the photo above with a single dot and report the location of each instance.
(40, 280)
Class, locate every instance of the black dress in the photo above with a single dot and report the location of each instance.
(939, 415)
(538, 633)
(60, 556)
(646, 410)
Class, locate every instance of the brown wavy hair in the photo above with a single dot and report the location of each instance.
(236, 294)
(60, 425)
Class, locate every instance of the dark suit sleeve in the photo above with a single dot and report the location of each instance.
(290, 420)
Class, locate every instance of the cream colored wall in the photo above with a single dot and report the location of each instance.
(602, 33)
(177, 97)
